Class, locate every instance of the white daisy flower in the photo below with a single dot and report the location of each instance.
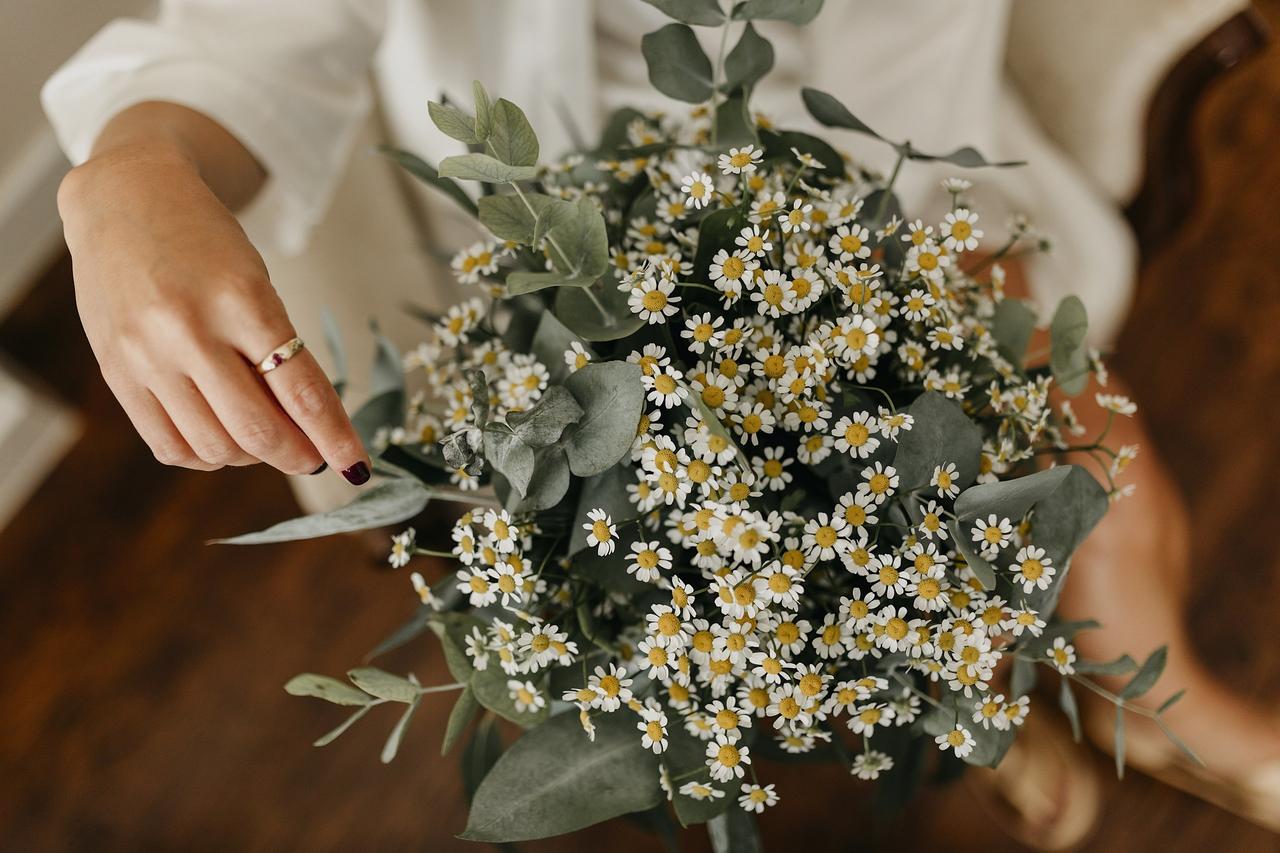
(602, 533)
(699, 188)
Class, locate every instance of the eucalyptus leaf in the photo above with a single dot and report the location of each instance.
(383, 684)
(1009, 499)
(454, 123)
(612, 400)
(379, 412)
(792, 11)
(508, 216)
(337, 352)
(484, 107)
(553, 780)
(1022, 679)
(482, 752)
(734, 125)
(982, 570)
(452, 630)
(546, 421)
(326, 688)
(425, 172)
(325, 740)
(1067, 702)
(685, 759)
(380, 506)
(1068, 355)
(582, 314)
(511, 138)
(1147, 676)
(942, 433)
(734, 831)
(608, 491)
(464, 710)
(551, 340)
(700, 13)
(490, 687)
(1122, 665)
(717, 231)
(778, 145)
(583, 240)
(1012, 324)
(482, 167)
(750, 59)
(521, 282)
(550, 481)
(509, 454)
(678, 66)
(392, 746)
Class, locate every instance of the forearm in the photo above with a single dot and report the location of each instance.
(165, 130)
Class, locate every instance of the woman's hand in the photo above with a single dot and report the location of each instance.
(178, 308)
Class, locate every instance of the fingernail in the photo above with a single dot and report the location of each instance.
(357, 474)
(323, 467)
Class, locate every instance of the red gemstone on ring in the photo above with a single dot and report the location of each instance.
(277, 359)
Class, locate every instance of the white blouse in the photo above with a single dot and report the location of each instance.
(290, 78)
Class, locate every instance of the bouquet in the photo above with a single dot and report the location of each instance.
(758, 466)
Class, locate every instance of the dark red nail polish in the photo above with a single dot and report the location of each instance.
(323, 467)
(357, 474)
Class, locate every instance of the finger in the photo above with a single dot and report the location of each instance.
(308, 397)
(155, 427)
(250, 413)
(201, 428)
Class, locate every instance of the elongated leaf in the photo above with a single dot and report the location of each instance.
(337, 352)
(1067, 702)
(1011, 326)
(425, 172)
(1068, 355)
(326, 688)
(941, 433)
(454, 123)
(750, 59)
(325, 740)
(550, 483)
(717, 231)
(793, 11)
(1023, 678)
(482, 167)
(700, 13)
(1147, 676)
(383, 684)
(1122, 665)
(678, 67)
(1009, 499)
(553, 780)
(484, 110)
(1119, 742)
(464, 710)
(778, 145)
(734, 125)
(452, 630)
(612, 400)
(392, 746)
(685, 759)
(521, 282)
(827, 110)
(546, 421)
(380, 506)
(982, 570)
(482, 752)
(508, 454)
(511, 138)
(734, 831)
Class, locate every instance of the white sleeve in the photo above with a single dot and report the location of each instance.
(289, 78)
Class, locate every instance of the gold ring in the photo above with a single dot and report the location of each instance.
(280, 355)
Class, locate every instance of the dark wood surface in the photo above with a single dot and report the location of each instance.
(140, 670)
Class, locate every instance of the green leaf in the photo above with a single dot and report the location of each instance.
(580, 314)
(734, 125)
(490, 688)
(383, 684)
(553, 780)
(551, 341)
(700, 13)
(606, 491)
(778, 145)
(482, 167)
(482, 752)
(1023, 678)
(734, 831)
(508, 217)
(750, 59)
(1009, 499)
(392, 746)
(678, 67)
(1171, 701)
(686, 759)
(454, 123)
(612, 399)
(1119, 742)
(521, 282)
(548, 487)
(463, 712)
(942, 433)
(1067, 702)
(1068, 355)
(827, 110)
(546, 421)
(326, 688)
(990, 745)
(584, 241)
(325, 740)
(512, 139)
(509, 455)
(793, 11)
(425, 172)
(1122, 665)
(484, 110)
(1147, 676)
(1011, 326)
(381, 506)
(1061, 522)
(452, 630)
(716, 231)
(337, 352)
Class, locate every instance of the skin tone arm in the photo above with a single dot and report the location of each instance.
(178, 306)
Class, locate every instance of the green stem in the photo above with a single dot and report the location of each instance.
(883, 206)
(716, 73)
